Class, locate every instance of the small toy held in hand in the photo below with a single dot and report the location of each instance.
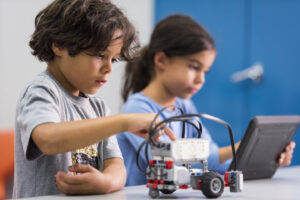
(87, 155)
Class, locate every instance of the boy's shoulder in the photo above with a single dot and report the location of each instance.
(41, 82)
(46, 82)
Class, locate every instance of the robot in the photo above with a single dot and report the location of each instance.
(170, 169)
(164, 175)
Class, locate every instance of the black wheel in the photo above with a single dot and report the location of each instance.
(153, 193)
(212, 185)
(166, 191)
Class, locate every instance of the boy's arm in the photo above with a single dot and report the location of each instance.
(92, 181)
(55, 138)
(115, 171)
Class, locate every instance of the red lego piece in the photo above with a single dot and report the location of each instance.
(150, 181)
(199, 184)
(152, 162)
(169, 164)
(226, 179)
(154, 186)
(183, 186)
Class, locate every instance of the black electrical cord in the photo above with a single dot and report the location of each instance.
(153, 132)
(185, 118)
(178, 118)
(220, 121)
(138, 155)
(159, 127)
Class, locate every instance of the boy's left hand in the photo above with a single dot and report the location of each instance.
(285, 157)
(87, 182)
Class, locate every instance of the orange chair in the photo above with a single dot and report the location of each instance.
(6, 160)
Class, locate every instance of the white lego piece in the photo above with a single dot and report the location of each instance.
(190, 149)
(181, 175)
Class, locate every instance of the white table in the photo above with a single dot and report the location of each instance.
(284, 185)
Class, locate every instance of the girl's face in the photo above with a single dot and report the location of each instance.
(183, 76)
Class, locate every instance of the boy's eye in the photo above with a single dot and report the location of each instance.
(114, 60)
(100, 55)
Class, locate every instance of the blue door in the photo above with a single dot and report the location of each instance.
(262, 37)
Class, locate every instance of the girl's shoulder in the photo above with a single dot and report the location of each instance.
(140, 103)
(187, 105)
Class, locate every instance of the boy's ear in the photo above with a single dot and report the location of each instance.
(160, 60)
(57, 50)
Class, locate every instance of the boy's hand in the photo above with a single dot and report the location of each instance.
(286, 157)
(139, 124)
(89, 181)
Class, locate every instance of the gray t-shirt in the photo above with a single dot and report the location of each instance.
(45, 100)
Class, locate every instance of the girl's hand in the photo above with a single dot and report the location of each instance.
(285, 158)
(139, 124)
(89, 181)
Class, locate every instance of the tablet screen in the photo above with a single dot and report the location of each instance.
(264, 140)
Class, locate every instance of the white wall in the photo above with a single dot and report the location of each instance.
(18, 66)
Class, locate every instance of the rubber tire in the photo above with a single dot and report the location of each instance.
(153, 193)
(166, 191)
(209, 180)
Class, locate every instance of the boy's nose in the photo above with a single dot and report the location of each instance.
(106, 67)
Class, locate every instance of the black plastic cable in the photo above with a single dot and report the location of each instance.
(156, 130)
(138, 155)
(174, 119)
(153, 132)
(179, 118)
(218, 120)
(210, 117)
(185, 118)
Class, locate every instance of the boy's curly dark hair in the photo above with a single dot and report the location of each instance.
(81, 25)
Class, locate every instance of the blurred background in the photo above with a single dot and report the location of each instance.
(256, 71)
(257, 68)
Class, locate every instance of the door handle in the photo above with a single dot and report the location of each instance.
(254, 73)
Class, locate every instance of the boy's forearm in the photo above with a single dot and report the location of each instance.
(55, 138)
(115, 174)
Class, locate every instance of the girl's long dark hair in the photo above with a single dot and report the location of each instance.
(176, 35)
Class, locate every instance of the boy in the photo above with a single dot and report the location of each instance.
(57, 122)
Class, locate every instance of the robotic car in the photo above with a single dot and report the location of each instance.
(170, 167)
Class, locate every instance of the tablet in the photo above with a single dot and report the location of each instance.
(265, 138)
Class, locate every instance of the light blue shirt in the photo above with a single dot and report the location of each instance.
(129, 143)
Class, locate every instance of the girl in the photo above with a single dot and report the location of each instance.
(168, 72)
